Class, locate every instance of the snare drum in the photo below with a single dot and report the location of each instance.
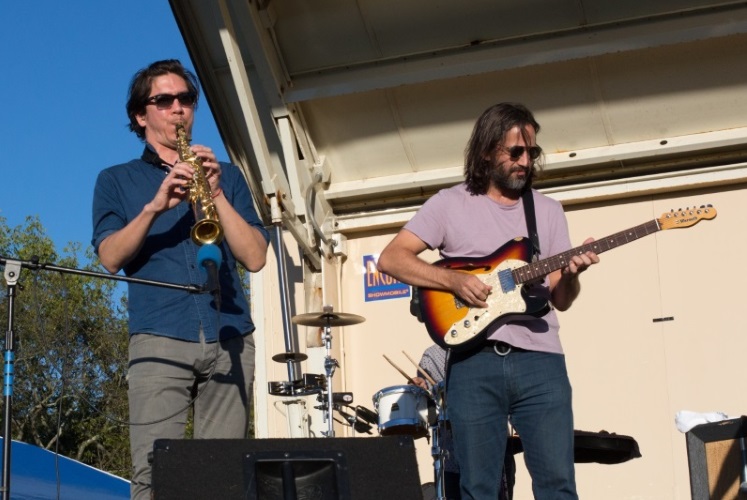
(402, 409)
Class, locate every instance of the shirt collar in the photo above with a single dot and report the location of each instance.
(150, 156)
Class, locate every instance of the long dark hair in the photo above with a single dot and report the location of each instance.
(490, 130)
(142, 82)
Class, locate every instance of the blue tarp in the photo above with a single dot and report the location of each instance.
(35, 472)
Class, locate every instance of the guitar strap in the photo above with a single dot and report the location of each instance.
(528, 199)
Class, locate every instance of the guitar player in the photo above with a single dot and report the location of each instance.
(515, 366)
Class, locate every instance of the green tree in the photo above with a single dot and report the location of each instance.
(70, 333)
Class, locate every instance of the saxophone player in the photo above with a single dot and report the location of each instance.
(181, 344)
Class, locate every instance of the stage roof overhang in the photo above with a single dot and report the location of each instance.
(356, 112)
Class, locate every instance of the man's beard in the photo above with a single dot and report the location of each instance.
(501, 178)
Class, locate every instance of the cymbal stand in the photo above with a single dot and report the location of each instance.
(326, 320)
(329, 369)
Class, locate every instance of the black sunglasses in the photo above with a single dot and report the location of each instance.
(165, 101)
(516, 152)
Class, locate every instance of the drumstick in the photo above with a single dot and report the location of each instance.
(423, 372)
(409, 379)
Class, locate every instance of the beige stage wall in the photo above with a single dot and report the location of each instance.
(657, 329)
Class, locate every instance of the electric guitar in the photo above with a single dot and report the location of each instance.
(452, 324)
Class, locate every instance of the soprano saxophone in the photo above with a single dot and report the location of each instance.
(207, 229)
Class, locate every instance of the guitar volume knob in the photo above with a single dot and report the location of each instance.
(453, 333)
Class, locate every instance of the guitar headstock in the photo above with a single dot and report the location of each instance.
(687, 217)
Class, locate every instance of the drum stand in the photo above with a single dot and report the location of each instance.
(437, 451)
(438, 455)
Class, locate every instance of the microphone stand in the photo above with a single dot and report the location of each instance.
(12, 272)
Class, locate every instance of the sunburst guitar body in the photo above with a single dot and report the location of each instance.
(453, 324)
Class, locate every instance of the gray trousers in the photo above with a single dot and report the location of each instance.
(165, 374)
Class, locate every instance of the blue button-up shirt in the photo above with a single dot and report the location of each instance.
(169, 254)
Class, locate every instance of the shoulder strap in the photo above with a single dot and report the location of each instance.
(528, 199)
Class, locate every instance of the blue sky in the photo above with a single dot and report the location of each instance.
(66, 70)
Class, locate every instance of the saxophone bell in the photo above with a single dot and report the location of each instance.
(207, 229)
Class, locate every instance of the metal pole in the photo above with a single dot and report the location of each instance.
(12, 271)
(290, 342)
(329, 364)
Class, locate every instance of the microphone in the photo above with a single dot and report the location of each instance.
(209, 258)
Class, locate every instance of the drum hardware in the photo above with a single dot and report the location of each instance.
(326, 320)
(355, 421)
(314, 380)
(438, 426)
(362, 419)
(290, 357)
(342, 397)
(308, 385)
(370, 417)
(285, 388)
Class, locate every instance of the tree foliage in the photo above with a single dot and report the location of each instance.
(70, 345)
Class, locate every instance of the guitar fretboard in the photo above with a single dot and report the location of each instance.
(543, 267)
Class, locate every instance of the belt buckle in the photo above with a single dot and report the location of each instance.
(501, 348)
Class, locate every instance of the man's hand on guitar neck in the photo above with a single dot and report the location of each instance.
(581, 262)
(564, 284)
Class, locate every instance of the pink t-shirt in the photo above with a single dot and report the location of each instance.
(459, 224)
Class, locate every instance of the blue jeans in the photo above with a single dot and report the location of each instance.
(532, 388)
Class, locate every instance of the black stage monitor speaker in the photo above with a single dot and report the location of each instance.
(286, 469)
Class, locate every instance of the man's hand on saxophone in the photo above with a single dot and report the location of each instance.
(210, 165)
(173, 189)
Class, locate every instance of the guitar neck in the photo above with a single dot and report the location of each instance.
(542, 268)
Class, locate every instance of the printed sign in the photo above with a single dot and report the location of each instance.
(380, 286)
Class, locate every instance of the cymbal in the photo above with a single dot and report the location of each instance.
(284, 357)
(327, 319)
